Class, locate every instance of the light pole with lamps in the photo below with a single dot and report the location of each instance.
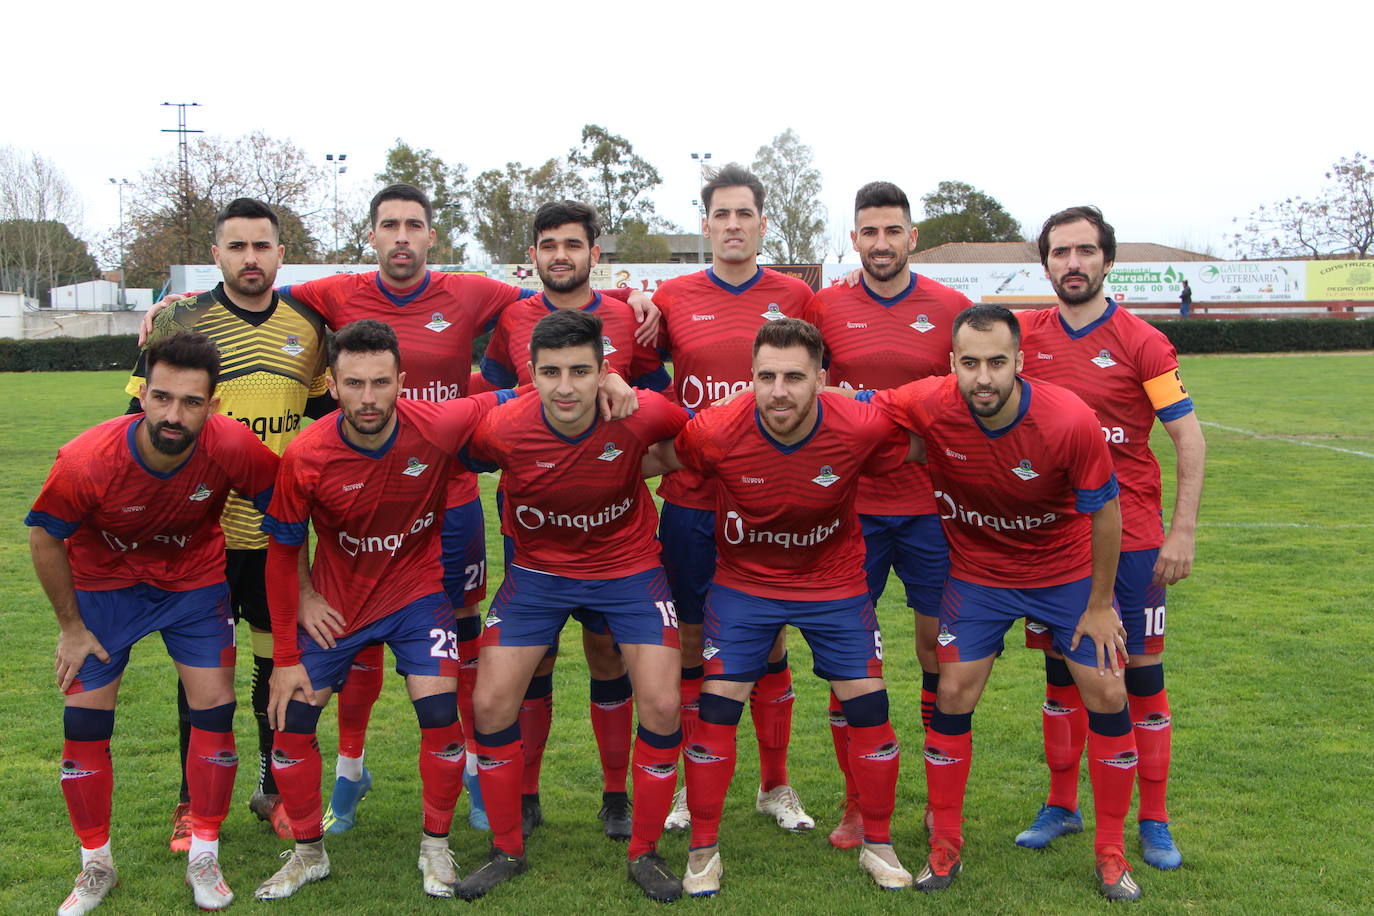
(701, 159)
(120, 185)
(338, 168)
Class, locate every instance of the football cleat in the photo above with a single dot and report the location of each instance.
(1052, 821)
(942, 867)
(96, 880)
(207, 882)
(181, 828)
(497, 869)
(616, 811)
(1114, 879)
(704, 883)
(342, 812)
(437, 866)
(306, 863)
(783, 805)
(269, 808)
(1157, 846)
(531, 814)
(884, 874)
(680, 818)
(654, 878)
(849, 832)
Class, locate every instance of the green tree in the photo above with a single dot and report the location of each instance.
(447, 187)
(637, 245)
(504, 203)
(1339, 221)
(958, 212)
(616, 178)
(792, 186)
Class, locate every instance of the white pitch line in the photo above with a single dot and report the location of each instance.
(1283, 525)
(1255, 435)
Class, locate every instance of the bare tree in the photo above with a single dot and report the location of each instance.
(841, 243)
(1339, 220)
(40, 215)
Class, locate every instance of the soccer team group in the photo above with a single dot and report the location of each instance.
(809, 444)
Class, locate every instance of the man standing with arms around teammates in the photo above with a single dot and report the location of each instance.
(1029, 502)
(126, 541)
(709, 322)
(582, 523)
(890, 328)
(1127, 371)
(786, 465)
(271, 375)
(371, 479)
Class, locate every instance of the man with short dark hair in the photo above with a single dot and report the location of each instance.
(126, 541)
(271, 376)
(1128, 372)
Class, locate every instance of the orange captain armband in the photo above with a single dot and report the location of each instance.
(1165, 390)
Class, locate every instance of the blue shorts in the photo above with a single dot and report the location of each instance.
(974, 618)
(843, 634)
(463, 540)
(530, 608)
(197, 627)
(1141, 605)
(688, 537)
(420, 635)
(913, 545)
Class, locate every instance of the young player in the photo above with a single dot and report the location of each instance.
(1128, 373)
(564, 253)
(891, 328)
(582, 523)
(1028, 498)
(271, 375)
(126, 541)
(371, 479)
(709, 320)
(785, 466)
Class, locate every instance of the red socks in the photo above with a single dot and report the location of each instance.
(710, 763)
(839, 737)
(612, 714)
(442, 760)
(1153, 737)
(88, 785)
(770, 705)
(210, 767)
(874, 759)
(535, 718)
(655, 779)
(357, 697)
(949, 755)
(1065, 721)
(500, 762)
(1111, 766)
(296, 763)
(690, 691)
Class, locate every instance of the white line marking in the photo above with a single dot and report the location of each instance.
(1254, 435)
(1207, 524)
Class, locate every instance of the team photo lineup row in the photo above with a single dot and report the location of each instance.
(998, 463)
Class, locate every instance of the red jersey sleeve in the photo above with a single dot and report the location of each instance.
(287, 519)
(910, 406)
(67, 498)
(1089, 460)
(659, 418)
(250, 466)
(890, 451)
(697, 446)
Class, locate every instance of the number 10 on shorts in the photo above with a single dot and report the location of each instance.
(1154, 621)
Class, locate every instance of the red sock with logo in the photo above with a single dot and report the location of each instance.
(500, 760)
(874, 759)
(357, 697)
(770, 706)
(211, 764)
(949, 756)
(1065, 722)
(1111, 767)
(297, 766)
(442, 760)
(710, 764)
(536, 718)
(469, 631)
(839, 737)
(612, 713)
(655, 779)
(1148, 702)
(690, 691)
(87, 772)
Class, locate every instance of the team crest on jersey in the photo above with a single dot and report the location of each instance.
(1024, 470)
(610, 452)
(606, 348)
(202, 493)
(709, 650)
(437, 322)
(1104, 359)
(414, 468)
(945, 637)
(293, 346)
(922, 324)
(826, 477)
(773, 313)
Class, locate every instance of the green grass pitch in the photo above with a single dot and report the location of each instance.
(1269, 672)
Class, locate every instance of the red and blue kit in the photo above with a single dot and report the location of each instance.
(376, 514)
(1015, 501)
(874, 342)
(505, 363)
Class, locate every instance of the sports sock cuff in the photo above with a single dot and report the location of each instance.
(662, 742)
(508, 735)
(1057, 672)
(214, 719)
(80, 724)
(694, 673)
(261, 641)
(1110, 724)
(866, 711)
(541, 685)
(950, 724)
(719, 710)
(468, 628)
(302, 718)
(930, 681)
(612, 690)
(778, 666)
(437, 711)
(1146, 681)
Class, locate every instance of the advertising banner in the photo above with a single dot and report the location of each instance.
(1340, 280)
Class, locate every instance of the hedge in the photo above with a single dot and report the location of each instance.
(67, 354)
(1260, 335)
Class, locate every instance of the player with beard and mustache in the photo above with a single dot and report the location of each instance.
(1128, 372)
(564, 251)
(126, 541)
(888, 328)
(271, 375)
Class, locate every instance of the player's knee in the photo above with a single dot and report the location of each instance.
(491, 711)
(302, 718)
(215, 719)
(659, 710)
(437, 711)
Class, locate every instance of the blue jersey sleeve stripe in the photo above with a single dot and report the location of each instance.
(473, 464)
(866, 395)
(504, 395)
(658, 380)
(263, 500)
(1089, 501)
(528, 293)
(1175, 410)
(289, 533)
(58, 528)
(498, 374)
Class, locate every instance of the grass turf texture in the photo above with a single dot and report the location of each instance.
(1268, 671)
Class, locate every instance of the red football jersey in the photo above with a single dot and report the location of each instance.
(785, 520)
(1127, 371)
(708, 331)
(125, 523)
(376, 514)
(875, 342)
(1014, 502)
(578, 507)
(505, 363)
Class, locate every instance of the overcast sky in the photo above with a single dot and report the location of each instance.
(1173, 117)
